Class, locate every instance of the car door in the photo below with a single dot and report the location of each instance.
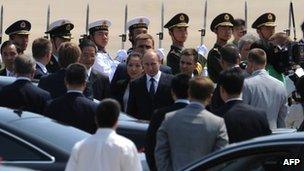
(279, 157)
(17, 152)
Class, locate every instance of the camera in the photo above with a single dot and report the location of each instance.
(286, 58)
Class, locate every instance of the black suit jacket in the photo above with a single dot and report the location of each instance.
(244, 122)
(121, 73)
(22, 94)
(54, 83)
(156, 120)
(141, 104)
(3, 72)
(118, 90)
(39, 73)
(53, 65)
(98, 86)
(73, 109)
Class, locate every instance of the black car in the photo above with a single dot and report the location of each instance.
(128, 126)
(33, 141)
(269, 153)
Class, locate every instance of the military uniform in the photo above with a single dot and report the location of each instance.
(173, 57)
(104, 64)
(268, 19)
(60, 28)
(213, 61)
(21, 27)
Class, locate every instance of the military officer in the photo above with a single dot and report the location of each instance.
(18, 33)
(177, 27)
(136, 26)
(99, 34)
(265, 27)
(60, 31)
(222, 27)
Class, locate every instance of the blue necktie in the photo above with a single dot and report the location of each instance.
(152, 87)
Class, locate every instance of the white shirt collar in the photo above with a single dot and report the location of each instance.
(56, 57)
(102, 131)
(74, 91)
(23, 78)
(197, 103)
(44, 70)
(232, 99)
(89, 71)
(182, 101)
(156, 77)
(8, 72)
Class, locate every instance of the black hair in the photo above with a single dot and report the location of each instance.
(107, 113)
(232, 80)
(179, 85)
(76, 73)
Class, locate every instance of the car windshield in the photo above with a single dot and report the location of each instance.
(62, 136)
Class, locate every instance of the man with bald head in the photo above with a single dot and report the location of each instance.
(152, 90)
(263, 91)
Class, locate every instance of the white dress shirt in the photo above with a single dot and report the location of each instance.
(43, 68)
(105, 65)
(156, 81)
(104, 151)
(9, 73)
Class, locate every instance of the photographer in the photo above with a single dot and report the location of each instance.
(280, 43)
(299, 97)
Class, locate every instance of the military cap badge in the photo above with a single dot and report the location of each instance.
(270, 17)
(22, 24)
(182, 18)
(226, 17)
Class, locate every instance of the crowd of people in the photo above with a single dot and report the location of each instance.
(191, 113)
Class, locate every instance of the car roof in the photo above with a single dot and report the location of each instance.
(287, 138)
(43, 129)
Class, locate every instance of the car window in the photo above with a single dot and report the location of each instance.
(13, 149)
(62, 136)
(264, 159)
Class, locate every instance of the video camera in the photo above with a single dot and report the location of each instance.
(287, 58)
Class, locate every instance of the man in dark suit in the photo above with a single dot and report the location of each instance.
(22, 94)
(60, 32)
(151, 91)
(73, 108)
(188, 62)
(42, 52)
(179, 88)
(54, 83)
(98, 85)
(230, 57)
(9, 51)
(143, 42)
(242, 121)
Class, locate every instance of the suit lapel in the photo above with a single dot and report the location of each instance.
(160, 84)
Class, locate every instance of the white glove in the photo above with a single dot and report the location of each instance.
(161, 53)
(202, 50)
(121, 55)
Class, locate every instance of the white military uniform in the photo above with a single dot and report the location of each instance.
(105, 65)
(105, 150)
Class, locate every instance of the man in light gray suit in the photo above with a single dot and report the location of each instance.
(192, 132)
(264, 91)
